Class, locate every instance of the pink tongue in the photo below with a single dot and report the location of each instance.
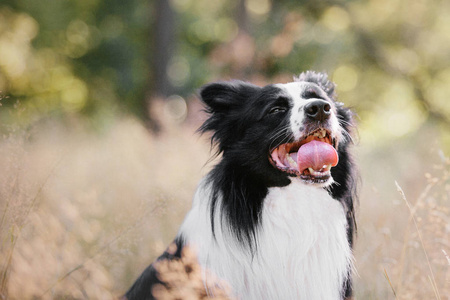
(315, 155)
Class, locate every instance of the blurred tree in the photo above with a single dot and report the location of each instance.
(163, 48)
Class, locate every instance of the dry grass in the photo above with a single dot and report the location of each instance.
(83, 213)
(405, 228)
(183, 280)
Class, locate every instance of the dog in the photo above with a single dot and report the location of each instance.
(275, 217)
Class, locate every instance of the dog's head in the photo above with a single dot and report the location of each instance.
(279, 131)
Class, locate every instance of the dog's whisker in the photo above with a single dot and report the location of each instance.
(347, 135)
(346, 123)
(283, 132)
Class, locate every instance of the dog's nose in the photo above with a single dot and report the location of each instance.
(318, 110)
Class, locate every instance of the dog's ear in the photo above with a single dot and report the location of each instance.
(224, 96)
(224, 102)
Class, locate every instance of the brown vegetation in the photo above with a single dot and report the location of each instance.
(83, 213)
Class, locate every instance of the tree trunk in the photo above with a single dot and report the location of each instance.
(242, 17)
(162, 45)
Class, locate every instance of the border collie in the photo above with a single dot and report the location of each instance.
(275, 217)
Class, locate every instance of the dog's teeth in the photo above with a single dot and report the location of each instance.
(325, 169)
(322, 133)
(291, 161)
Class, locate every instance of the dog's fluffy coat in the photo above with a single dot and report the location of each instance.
(269, 230)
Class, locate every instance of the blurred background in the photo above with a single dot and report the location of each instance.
(99, 157)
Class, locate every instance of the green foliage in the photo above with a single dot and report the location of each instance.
(81, 56)
(389, 58)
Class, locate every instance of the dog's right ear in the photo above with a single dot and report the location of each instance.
(224, 96)
(224, 102)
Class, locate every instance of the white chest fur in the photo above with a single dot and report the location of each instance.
(302, 252)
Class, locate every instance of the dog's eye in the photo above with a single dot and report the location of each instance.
(277, 109)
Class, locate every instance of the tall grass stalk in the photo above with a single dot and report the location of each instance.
(413, 218)
(16, 233)
(390, 283)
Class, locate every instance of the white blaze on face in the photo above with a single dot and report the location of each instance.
(295, 91)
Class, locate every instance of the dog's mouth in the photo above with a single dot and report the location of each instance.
(310, 158)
